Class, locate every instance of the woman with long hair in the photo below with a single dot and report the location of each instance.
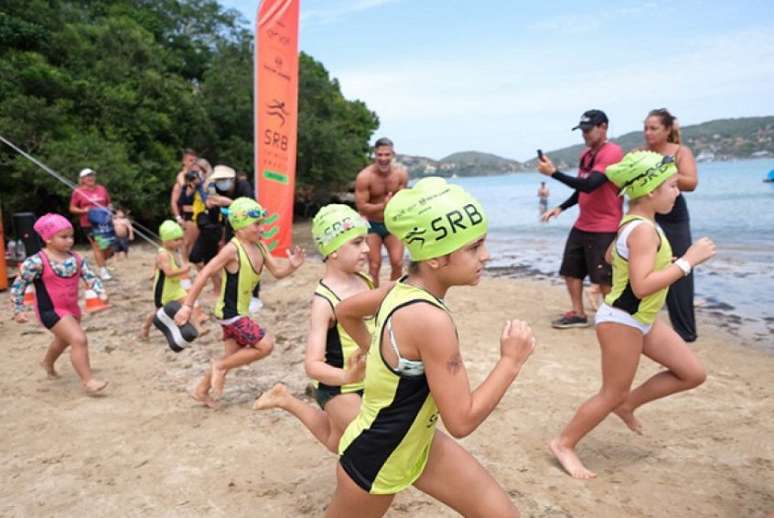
(662, 135)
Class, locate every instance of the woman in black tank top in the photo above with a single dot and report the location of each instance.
(662, 135)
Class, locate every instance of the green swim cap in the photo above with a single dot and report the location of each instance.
(169, 230)
(434, 218)
(641, 172)
(244, 211)
(334, 225)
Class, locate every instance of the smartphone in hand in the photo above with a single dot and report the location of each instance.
(540, 154)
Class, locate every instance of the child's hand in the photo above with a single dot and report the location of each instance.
(296, 257)
(355, 370)
(517, 342)
(21, 318)
(700, 251)
(183, 315)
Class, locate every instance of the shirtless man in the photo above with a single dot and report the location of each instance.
(374, 186)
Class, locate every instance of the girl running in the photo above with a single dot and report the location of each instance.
(55, 272)
(626, 323)
(332, 359)
(415, 371)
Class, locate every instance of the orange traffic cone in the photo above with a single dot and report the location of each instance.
(93, 303)
(29, 296)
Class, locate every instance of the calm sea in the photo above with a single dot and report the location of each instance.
(732, 205)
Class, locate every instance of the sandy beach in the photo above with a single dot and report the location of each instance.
(148, 449)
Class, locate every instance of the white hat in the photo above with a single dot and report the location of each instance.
(86, 172)
(222, 172)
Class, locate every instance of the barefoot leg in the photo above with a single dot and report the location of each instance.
(236, 357)
(663, 345)
(570, 461)
(146, 325)
(621, 347)
(202, 391)
(54, 351)
(68, 329)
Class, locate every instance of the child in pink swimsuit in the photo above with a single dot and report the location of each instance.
(55, 272)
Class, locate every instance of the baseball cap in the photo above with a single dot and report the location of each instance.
(591, 119)
(86, 172)
(222, 172)
(434, 218)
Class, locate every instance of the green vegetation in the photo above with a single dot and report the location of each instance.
(122, 86)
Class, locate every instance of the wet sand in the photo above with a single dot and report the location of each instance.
(148, 449)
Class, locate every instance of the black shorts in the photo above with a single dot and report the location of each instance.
(121, 244)
(584, 254)
(206, 245)
(323, 394)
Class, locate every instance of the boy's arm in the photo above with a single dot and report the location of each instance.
(165, 264)
(280, 270)
(131, 230)
(226, 255)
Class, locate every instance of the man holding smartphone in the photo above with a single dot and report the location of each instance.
(601, 210)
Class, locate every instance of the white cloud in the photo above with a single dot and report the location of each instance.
(507, 104)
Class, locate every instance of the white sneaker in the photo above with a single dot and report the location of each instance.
(104, 274)
(255, 305)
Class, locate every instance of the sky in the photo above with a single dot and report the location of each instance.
(508, 77)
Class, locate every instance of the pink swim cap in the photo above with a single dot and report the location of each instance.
(49, 224)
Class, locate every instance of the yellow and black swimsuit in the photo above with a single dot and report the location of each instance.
(237, 288)
(167, 289)
(339, 346)
(622, 295)
(385, 448)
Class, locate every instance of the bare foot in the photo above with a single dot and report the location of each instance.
(218, 379)
(143, 335)
(93, 387)
(627, 416)
(272, 398)
(202, 331)
(51, 372)
(204, 399)
(570, 461)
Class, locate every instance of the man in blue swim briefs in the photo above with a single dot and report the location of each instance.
(374, 186)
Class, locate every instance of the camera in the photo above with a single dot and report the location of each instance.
(192, 175)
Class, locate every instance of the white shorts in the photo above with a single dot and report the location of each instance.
(607, 313)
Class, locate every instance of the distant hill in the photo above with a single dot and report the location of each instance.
(466, 163)
(721, 139)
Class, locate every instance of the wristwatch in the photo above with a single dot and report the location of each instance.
(684, 265)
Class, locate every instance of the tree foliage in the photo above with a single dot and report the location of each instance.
(122, 86)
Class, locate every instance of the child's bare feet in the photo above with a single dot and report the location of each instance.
(570, 461)
(143, 335)
(51, 372)
(218, 379)
(93, 387)
(204, 399)
(272, 398)
(627, 416)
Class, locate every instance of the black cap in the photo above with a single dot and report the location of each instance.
(591, 119)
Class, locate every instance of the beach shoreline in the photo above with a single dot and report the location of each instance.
(148, 449)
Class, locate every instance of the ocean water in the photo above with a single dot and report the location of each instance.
(732, 205)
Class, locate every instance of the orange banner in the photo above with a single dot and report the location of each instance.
(276, 117)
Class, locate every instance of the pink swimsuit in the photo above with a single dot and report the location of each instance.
(56, 296)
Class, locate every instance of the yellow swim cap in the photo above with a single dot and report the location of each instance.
(169, 230)
(244, 211)
(641, 172)
(334, 225)
(434, 218)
